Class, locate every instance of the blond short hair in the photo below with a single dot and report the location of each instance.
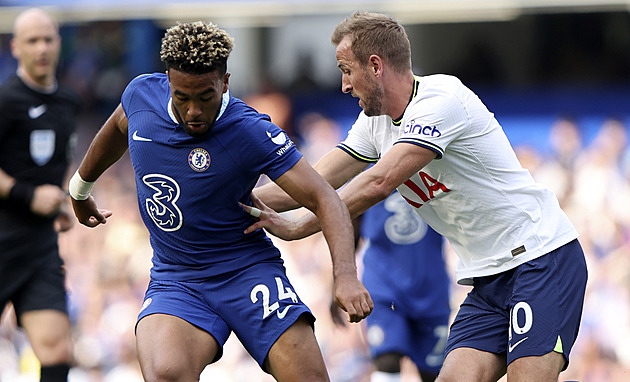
(375, 33)
(196, 48)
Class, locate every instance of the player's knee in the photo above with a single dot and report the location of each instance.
(163, 368)
(389, 362)
(164, 372)
(303, 376)
(52, 351)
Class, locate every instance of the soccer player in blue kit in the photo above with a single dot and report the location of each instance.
(411, 299)
(433, 139)
(197, 152)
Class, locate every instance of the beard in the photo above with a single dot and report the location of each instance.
(372, 102)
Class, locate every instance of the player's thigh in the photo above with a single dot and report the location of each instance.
(477, 343)
(50, 335)
(260, 304)
(189, 348)
(296, 355)
(546, 368)
(471, 365)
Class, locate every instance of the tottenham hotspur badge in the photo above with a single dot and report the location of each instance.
(199, 159)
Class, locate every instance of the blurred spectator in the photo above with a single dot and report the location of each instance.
(273, 102)
(557, 169)
(320, 134)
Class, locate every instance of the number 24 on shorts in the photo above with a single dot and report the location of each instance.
(283, 293)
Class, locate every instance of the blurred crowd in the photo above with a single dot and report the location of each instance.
(108, 267)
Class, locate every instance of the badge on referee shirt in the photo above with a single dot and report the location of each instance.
(42, 146)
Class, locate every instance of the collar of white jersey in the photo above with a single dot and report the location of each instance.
(225, 99)
(414, 93)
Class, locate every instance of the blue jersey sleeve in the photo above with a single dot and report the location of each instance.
(268, 149)
(145, 89)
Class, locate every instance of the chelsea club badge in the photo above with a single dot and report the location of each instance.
(199, 159)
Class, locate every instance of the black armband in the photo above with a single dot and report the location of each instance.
(22, 193)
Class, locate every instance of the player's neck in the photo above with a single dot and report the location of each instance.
(398, 94)
(47, 86)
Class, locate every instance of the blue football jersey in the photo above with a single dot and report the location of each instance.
(189, 187)
(403, 261)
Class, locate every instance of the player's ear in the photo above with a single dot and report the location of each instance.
(375, 65)
(226, 82)
(15, 51)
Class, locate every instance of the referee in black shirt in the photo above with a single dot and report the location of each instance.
(37, 121)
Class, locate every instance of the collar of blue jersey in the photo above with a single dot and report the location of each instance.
(224, 103)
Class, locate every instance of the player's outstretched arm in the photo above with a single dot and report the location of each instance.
(336, 167)
(304, 185)
(109, 144)
(379, 181)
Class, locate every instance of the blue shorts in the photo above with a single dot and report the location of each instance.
(257, 303)
(530, 310)
(391, 330)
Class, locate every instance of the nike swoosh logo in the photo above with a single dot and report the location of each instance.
(146, 303)
(511, 347)
(283, 313)
(279, 139)
(136, 137)
(35, 112)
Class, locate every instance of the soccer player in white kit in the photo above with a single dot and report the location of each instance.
(435, 141)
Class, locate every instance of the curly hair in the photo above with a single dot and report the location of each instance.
(196, 48)
(374, 33)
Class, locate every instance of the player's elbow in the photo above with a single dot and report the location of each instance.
(380, 189)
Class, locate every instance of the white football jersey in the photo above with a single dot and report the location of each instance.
(475, 193)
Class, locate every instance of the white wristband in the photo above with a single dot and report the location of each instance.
(78, 188)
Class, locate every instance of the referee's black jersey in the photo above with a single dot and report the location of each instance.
(36, 134)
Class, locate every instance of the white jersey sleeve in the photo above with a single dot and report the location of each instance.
(360, 142)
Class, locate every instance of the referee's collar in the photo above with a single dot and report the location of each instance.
(50, 89)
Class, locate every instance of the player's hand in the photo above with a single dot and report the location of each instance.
(88, 214)
(337, 315)
(352, 296)
(269, 219)
(47, 199)
(64, 221)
